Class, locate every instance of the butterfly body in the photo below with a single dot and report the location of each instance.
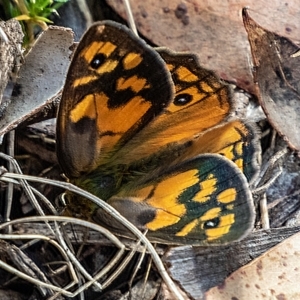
(150, 132)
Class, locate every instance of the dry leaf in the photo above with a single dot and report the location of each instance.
(198, 269)
(273, 275)
(212, 29)
(277, 74)
(40, 78)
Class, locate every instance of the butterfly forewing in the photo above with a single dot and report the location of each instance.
(201, 102)
(108, 96)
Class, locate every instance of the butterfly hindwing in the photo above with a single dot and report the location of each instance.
(235, 140)
(205, 200)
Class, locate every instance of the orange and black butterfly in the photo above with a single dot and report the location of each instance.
(150, 132)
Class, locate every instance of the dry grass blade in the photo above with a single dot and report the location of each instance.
(55, 225)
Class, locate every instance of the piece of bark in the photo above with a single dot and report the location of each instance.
(10, 49)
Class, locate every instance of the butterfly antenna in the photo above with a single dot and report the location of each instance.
(130, 17)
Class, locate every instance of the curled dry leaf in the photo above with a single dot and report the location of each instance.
(273, 275)
(277, 74)
(40, 78)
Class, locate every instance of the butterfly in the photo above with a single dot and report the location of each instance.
(150, 132)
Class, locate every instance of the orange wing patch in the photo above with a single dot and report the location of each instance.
(207, 187)
(90, 51)
(184, 74)
(227, 196)
(109, 121)
(132, 60)
(134, 83)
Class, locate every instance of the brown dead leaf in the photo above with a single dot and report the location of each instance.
(277, 74)
(212, 29)
(273, 275)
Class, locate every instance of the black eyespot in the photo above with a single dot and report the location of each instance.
(213, 223)
(182, 99)
(97, 60)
